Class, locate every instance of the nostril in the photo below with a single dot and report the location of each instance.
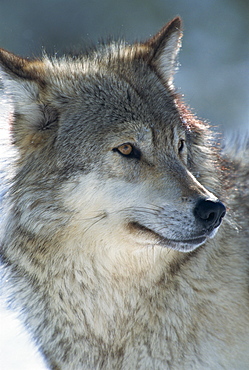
(211, 217)
(218, 222)
(209, 213)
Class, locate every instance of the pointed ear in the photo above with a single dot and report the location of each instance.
(17, 67)
(24, 81)
(163, 49)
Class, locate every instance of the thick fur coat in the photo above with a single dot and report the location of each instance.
(115, 241)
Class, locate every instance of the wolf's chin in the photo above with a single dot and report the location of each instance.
(181, 245)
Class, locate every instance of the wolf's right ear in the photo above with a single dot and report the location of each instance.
(162, 49)
(24, 80)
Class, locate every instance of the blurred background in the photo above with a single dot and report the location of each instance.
(213, 76)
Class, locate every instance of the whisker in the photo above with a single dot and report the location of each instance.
(163, 227)
(96, 218)
(150, 210)
(141, 210)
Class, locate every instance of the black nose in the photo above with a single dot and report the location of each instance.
(209, 213)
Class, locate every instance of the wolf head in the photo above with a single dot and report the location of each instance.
(108, 154)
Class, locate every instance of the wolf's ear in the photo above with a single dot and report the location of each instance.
(18, 67)
(24, 81)
(162, 49)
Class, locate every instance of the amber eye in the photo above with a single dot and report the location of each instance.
(181, 145)
(125, 149)
(128, 150)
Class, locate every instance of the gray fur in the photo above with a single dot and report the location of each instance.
(101, 249)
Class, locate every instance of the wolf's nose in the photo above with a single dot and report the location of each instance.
(209, 213)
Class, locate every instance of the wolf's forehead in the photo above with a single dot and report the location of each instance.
(114, 99)
(119, 81)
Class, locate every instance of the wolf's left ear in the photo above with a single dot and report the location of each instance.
(162, 49)
(25, 81)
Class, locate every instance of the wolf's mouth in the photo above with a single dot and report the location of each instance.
(184, 245)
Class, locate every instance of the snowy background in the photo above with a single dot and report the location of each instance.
(213, 76)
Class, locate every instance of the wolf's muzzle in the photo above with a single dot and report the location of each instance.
(209, 213)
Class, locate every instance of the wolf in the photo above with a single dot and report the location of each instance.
(125, 231)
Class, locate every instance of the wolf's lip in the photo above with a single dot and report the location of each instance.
(195, 241)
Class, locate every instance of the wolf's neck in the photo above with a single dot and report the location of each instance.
(99, 290)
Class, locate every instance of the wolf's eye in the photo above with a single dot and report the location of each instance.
(125, 149)
(128, 150)
(181, 145)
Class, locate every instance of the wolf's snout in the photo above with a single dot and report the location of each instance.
(209, 213)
